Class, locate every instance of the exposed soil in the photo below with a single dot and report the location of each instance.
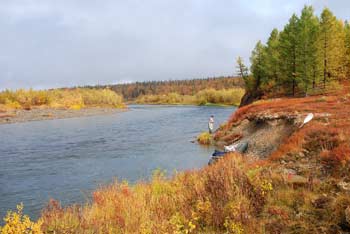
(18, 116)
(263, 133)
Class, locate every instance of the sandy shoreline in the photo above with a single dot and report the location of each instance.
(20, 116)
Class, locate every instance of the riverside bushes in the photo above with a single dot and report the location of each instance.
(59, 98)
(220, 198)
(204, 97)
(16, 222)
(204, 138)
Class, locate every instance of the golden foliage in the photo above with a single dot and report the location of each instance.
(60, 98)
(204, 138)
(17, 223)
(190, 202)
(204, 97)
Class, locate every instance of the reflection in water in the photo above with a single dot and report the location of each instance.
(65, 159)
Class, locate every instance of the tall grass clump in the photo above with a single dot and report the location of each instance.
(60, 98)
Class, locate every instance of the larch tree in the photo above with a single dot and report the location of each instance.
(347, 45)
(288, 52)
(272, 59)
(307, 55)
(332, 46)
(242, 70)
(258, 66)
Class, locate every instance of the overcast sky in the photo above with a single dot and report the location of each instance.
(56, 43)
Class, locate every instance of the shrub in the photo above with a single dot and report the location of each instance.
(61, 98)
(204, 138)
(191, 202)
(16, 222)
(204, 97)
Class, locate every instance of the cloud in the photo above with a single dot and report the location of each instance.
(51, 43)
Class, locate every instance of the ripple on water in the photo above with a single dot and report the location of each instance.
(66, 159)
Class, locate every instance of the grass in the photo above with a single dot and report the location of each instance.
(59, 98)
(208, 97)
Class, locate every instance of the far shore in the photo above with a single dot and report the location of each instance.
(38, 114)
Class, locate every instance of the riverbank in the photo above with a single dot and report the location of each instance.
(38, 114)
(301, 177)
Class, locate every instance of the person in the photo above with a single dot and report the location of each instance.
(211, 124)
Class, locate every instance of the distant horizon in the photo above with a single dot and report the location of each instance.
(55, 44)
(122, 83)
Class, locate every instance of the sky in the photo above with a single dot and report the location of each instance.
(64, 43)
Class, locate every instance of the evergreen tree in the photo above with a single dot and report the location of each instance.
(272, 59)
(242, 70)
(309, 64)
(332, 46)
(347, 45)
(288, 52)
(257, 66)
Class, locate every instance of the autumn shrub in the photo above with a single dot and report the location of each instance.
(338, 156)
(213, 199)
(60, 98)
(203, 97)
(225, 96)
(17, 223)
(339, 215)
(204, 138)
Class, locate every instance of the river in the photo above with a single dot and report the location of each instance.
(66, 159)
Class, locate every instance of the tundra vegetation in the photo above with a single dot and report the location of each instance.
(301, 187)
(59, 98)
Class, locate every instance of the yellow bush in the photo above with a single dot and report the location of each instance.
(204, 138)
(61, 98)
(17, 223)
(12, 105)
(225, 96)
(206, 96)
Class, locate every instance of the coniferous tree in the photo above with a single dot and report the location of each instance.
(307, 56)
(332, 46)
(288, 51)
(347, 46)
(272, 58)
(242, 70)
(308, 51)
(257, 66)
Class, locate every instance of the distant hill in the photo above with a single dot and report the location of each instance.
(183, 87)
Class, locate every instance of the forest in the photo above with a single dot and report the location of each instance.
(310, 55)
(182, 87)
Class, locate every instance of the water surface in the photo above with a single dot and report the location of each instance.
(66, 159)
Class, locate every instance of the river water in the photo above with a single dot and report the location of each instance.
(66, 159)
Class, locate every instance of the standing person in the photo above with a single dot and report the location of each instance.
(211, 124)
